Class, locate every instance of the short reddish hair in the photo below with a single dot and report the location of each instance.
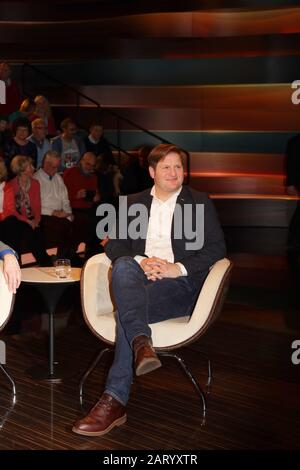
(161, 151)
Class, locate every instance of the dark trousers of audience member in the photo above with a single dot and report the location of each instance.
(84, 230)
(19, 234)
(58, 232)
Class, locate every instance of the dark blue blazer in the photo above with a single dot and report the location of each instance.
(196, 261)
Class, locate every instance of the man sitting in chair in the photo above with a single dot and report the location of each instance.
(11, 268)
(155, 276)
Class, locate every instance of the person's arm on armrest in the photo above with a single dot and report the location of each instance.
(11, 269)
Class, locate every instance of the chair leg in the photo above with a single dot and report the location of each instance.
(209, 372)
(8, 411)
(7, 374)
(192, 379)
(91, 368)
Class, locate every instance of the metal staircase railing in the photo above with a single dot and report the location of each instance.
(32, 84)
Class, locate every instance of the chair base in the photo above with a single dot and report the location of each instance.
(90, 369)
(192, 379)
(178, 358)
(9, 377)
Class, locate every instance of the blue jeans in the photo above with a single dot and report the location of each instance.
(140, 302)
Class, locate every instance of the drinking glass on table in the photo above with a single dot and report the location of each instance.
(62, 268)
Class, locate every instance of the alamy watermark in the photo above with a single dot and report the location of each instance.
(132, 222)
(2, 352)
(2, 92)
(295, 357)
(296, 94)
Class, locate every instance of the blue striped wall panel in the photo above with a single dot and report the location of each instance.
(252, 142)
(200, 71)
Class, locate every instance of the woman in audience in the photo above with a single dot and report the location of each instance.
(19, 145)
(27, 210)
(8, 221)
(25, 111)
(43, 111)
(7, 206)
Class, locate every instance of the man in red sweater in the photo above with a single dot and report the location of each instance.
(82, 184)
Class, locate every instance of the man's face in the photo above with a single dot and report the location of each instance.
(88, 164)
(51, 166)
(41, 104)
(168, 175)
(70, 130)
(96, 132)
(5, 71)
(39, 131)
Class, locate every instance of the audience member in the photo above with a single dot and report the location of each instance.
(39, 139)
(43, 111)
(95, 142)
(19, 145)
(25, 111)
(82, 185)
(27, 200)
(56, 209)
(68, 145)
(13, 98)
(130, 171)
(144, 176)
(105, 174)
(7, 204)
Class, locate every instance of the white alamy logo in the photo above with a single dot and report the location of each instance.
(296, 354)
(2, 352)
(188, 222)
(296, 94)
(2, 92)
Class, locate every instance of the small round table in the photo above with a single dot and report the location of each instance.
(51, 289)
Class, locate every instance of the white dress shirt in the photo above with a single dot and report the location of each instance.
(54, 194)
(158, 241)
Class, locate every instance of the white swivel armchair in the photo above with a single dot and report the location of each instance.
(6, 307)
(167, 336)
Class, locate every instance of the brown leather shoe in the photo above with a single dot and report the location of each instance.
(145, 358)
(104, 416)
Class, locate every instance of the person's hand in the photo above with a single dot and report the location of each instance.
(81, 194)
(12, 272)
(33, 223)
(171, 270)
(292, 191)
(165, 270)
(96, 198)
(152, 267)
(61, 214)
(157, 268)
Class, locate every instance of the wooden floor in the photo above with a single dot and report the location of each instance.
(254, 401)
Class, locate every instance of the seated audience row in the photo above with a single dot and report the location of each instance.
(37, 207)
(69, 145)
(20, 209)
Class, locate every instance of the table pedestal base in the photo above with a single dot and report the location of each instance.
(39, 372)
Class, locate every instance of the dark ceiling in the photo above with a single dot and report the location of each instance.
(74, 29)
